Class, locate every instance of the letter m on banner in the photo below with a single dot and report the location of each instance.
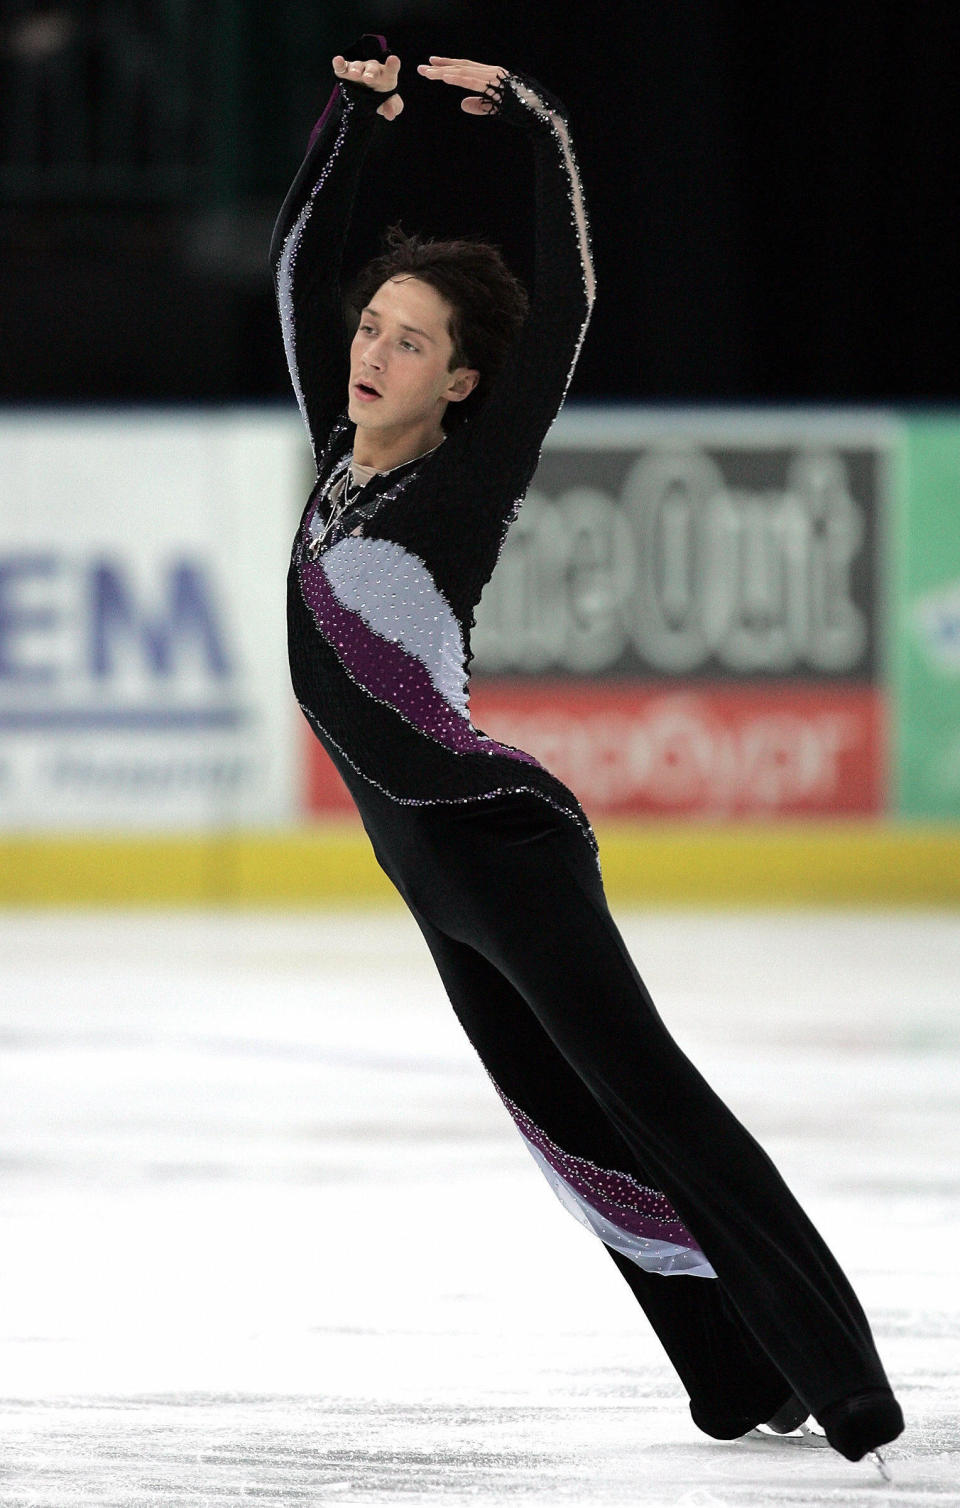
(182, 627)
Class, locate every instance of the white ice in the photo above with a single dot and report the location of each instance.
(268, 1234)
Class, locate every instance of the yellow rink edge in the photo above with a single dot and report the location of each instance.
(842, 863)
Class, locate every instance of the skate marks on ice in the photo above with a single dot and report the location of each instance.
(285, 1450)
(267, 1235)
(228, 1451)
(132, 1452)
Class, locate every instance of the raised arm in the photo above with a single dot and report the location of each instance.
(508, 431)
(306, 250)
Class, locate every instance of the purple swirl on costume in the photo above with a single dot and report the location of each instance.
(391, 674)
(630, 1206)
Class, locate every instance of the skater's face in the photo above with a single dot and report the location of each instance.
(400, 374)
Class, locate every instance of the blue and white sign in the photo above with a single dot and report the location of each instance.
(143, 676)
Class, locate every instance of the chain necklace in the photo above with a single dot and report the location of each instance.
(343, 493)
(346, 496)
(339, 502)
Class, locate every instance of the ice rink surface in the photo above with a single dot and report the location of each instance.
(269, 1236)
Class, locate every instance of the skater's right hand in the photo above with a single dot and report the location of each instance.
(381, 77)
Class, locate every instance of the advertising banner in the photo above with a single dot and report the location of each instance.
(687, 617)
(740, 547)
(928, 629)
(143, 679)
(714, 748)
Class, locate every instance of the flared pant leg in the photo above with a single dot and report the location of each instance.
(511, 903)
(730, 1381)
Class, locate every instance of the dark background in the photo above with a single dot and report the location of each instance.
(773, 189)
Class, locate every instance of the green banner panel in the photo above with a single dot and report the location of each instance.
(927, 647)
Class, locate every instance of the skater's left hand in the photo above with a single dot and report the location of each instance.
(464, 74)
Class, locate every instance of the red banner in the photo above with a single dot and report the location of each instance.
(634, 748)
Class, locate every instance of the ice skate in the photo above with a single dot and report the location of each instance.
(859, 1425)
(788, 1419)
(789, 1423)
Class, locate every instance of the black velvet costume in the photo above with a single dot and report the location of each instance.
(493, 855)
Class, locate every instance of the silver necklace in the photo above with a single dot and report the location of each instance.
(339, 503)
(344, 499)
(348, 497)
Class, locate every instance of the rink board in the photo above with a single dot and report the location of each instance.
(729, 865)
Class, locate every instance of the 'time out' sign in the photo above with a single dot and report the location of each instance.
(736, 561)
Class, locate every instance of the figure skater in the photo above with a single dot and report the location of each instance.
(426, 428)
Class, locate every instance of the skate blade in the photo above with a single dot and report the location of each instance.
(880, 1464)
(805, 1437)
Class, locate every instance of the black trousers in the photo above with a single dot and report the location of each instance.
(511, 904)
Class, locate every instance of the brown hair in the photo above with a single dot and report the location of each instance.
(488, 303)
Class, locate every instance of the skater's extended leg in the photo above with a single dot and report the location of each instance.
(525, 892)
(731, 1383)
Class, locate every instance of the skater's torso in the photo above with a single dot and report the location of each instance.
(385, 577)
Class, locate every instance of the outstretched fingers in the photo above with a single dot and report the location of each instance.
(464, 73)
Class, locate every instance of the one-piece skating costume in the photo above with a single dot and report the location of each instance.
(493, 855)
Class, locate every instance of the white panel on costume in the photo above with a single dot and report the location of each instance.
(395, 595)
(663, 1257)
(285, 301)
